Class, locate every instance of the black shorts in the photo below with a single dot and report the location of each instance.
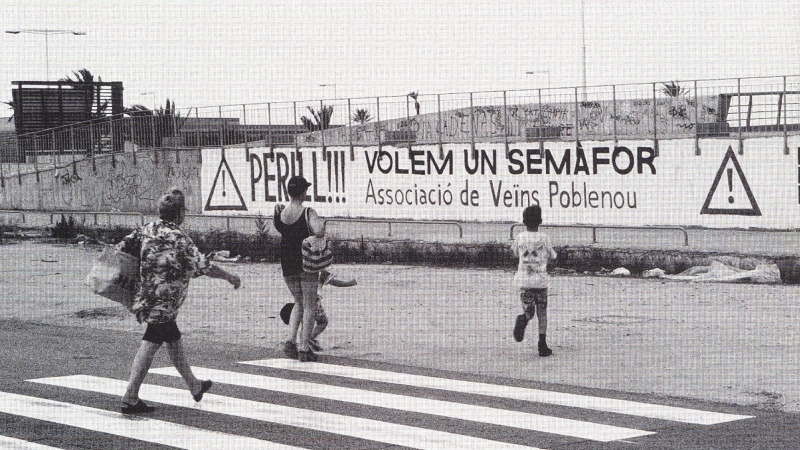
(158, 333)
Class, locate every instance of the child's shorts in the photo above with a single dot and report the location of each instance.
(536, 296)
(158, 333)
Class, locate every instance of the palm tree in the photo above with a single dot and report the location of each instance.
(673, 89)
(84, 81)
(157, 124)
(321, 118)
(414, 95)
(13, 107)
(362, 116)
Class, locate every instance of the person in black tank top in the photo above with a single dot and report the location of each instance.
(295, 223)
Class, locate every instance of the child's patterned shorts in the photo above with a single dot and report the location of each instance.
(530, 297)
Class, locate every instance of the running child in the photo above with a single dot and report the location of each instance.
(534, 250)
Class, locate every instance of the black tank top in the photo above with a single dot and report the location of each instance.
(292, 236)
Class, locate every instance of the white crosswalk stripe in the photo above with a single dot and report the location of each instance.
(532, 395)
(534, 422)
(374, 430)
(19, 444)
(368, 392)
(136, 427)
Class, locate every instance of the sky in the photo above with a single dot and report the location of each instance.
(203, 53)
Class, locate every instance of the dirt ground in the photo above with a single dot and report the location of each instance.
(732, 343)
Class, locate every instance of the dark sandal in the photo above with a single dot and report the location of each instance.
(307, 356)
(204, 386)
(138, 408)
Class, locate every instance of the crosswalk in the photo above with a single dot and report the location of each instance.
(373, 408)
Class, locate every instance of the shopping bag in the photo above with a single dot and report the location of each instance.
(317, 254)
(115, 276)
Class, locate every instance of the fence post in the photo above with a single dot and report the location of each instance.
(505, 117)
(655, 121)
(322, 130)
(91, 148)
(378, 124)
(113, 144)
(472, 126)
(614, 109)
(577, 121)
(350, 131)
(296, 143)
(785, 113)
(36, 154)
(172, 114)
(246, 141)
(269, 128)
(696, 121)
(153, 131)
(408, 128)
(541, 122)
(221, 129)
(739, 114)
(439, 124)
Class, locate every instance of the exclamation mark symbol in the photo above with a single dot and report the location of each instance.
(327, 156)
(336, 170)
(341, 158)
(223, 184)
(730, 185)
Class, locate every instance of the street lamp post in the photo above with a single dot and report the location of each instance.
(540, 72)
(46, 34)
(333, 85)
(583, 47)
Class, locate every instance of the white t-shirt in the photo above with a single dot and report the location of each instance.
(534, 250)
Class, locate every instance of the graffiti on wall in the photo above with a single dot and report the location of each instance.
(673, 117)
(124, 185)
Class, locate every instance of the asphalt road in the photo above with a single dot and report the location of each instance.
(301, 409)
(716, 348)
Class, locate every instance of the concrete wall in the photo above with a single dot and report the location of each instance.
(126, 182)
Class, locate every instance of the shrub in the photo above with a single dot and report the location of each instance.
(65, 229)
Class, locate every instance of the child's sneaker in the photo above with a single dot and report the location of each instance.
(290, 349)
(307, 356)
(544, 350)
(519, 327)
(314, 345)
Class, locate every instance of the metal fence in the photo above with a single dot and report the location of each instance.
(732, 108)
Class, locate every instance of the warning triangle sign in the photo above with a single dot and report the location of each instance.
(730, 193)
(221, 196)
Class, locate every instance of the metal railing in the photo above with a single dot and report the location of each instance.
(96, 214)
(700, 109)
(12, 211)
(617, 227)
(389, 222)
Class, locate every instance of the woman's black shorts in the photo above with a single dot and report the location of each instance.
(158, 333)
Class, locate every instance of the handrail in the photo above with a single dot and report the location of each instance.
(228, 218)
(97, 213)
(619, 227)
(12, 211)
(391, 221)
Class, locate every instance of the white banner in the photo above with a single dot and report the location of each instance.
(591, 183)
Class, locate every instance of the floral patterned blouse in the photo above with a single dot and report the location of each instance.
(169, 259)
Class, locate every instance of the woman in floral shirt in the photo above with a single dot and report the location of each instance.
(169, 259)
